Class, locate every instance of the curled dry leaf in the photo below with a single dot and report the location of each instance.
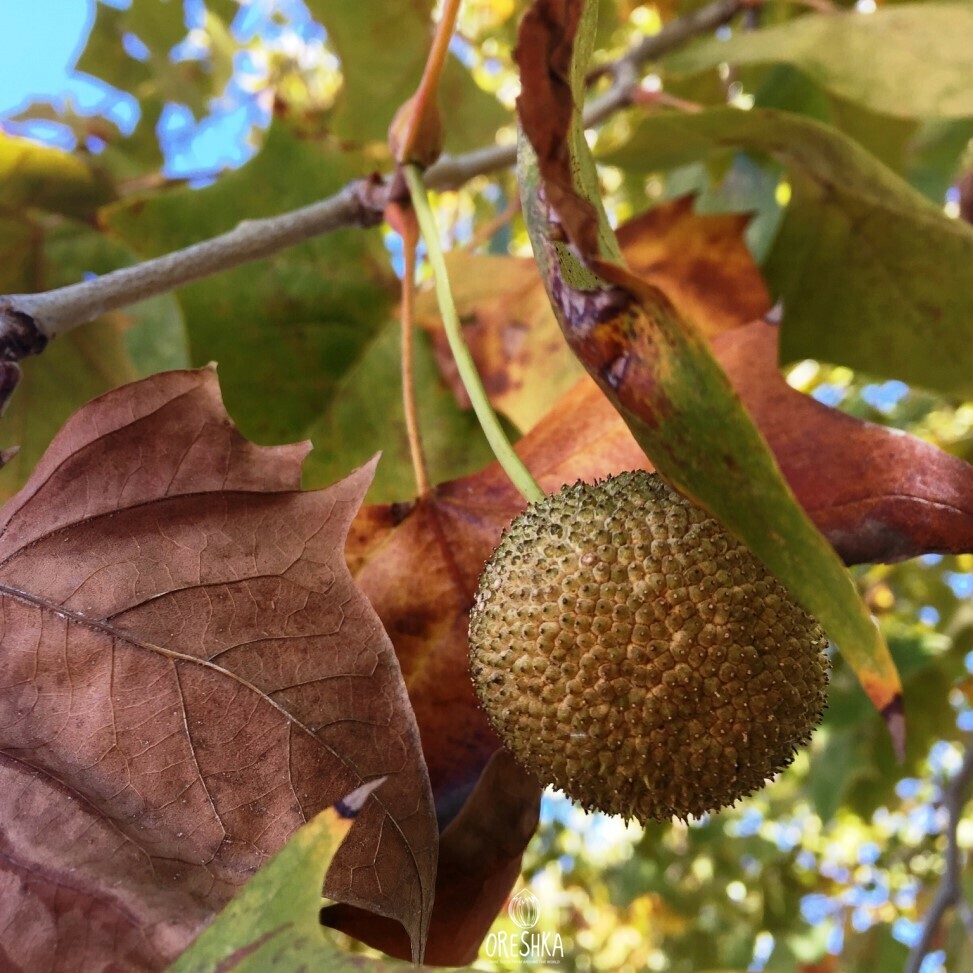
(187, 675)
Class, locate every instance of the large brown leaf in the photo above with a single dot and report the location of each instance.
(187, 675)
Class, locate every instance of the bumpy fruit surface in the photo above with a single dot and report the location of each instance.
(632, 653)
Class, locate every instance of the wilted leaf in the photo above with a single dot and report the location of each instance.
(657, 368)
(910, 60)
(188, 674)
(865, 265)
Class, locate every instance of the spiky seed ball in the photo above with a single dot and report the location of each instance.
(633, 653)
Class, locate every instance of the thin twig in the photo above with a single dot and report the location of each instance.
(29, 321)
(485, 231)
(410, 239)
(512, 464)
(950, 889)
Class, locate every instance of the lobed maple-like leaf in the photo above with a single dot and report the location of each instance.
(187, 675)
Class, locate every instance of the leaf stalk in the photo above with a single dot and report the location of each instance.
(512, 464)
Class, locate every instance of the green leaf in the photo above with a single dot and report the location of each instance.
(935, 154)
(41, 177)
(85, 362)
(854, 766)
(289, 325)
(74, 369)
(910, 60)
(160, 25)
(383, 50)
(865, 265)
(272, 923)
(105, 58)
(658, 369)
(785, 88)
(366, 415)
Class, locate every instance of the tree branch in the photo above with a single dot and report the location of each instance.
(950, 892)
(29, 321)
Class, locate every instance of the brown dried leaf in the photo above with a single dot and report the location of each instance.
(877, 494)
(699, 260)
(512, 333)
(188, 674)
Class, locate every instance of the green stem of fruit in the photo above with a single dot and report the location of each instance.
(512, 464)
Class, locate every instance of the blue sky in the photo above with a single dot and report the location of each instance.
(39, 42)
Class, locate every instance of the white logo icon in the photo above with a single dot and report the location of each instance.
(524, 909)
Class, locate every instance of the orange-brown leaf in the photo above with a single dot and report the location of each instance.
(877, 494)
(187, 675)
(512, 333)
(699, 260)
